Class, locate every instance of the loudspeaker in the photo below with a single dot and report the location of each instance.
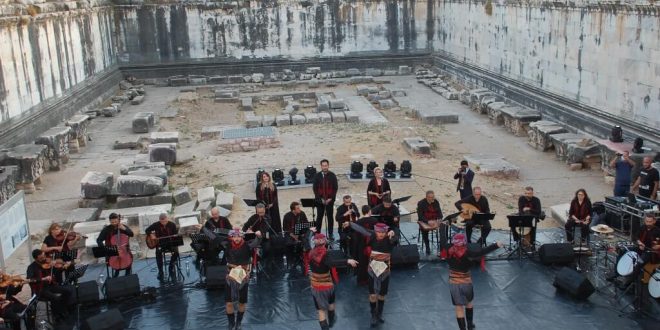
(123, 286)
(576, 284)
(216, 277)
(556, 253)
(405, 255)
(109, 320)
(88, 293)
(337, 258)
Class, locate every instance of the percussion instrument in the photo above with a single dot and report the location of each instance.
(627, 263)
(429, 225)
(654, 284)
(602, 229)
(623, 246)
(467, 210)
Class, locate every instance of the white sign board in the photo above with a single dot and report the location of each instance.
(14, 228)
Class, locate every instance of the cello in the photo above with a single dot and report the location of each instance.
(124, 258)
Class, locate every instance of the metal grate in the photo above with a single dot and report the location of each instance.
(239, 133)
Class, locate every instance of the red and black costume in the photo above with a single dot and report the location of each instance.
(373, 200)
(430, 211)
(169, 229)
(345, 239)
(483, 207)
(325, 187)
(269, 196)
(238, 255)
(581, 211)
(298, 245)
(650, 237)
(360, 244)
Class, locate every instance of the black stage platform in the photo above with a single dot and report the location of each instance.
(512, 294)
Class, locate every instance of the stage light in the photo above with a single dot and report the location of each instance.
(259, 173)
(310, 172)
(637, 145)
(356, 169)
(293, 173)
(278, 177)
(390, 169)
(617, 134)
(370, 168)
(406, 169)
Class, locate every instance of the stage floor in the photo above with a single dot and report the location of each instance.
(510, 295)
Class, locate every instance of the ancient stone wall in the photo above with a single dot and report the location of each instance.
(602, 56)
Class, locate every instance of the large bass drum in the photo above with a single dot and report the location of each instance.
(654, 284)
(627, 263)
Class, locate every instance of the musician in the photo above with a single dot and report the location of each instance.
(623, 166)
(164, 228)
(258, 221)
(389, 213)
(579, 215)
(266, 193)
(115, 227)
(10, 307)
(238, 254)
(428, 209)
(322, 279)
(381, 243)
(647, 181)
(61, 297)
(649, 245)
(295, 242)
(360, 244)
(460, 280)
(464, 175)
(217, 222)
(528, 204)
(58, 240)
(378, 188)
(325, 191)
(347, 212)
(481, 203)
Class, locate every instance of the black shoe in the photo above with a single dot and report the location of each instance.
(471, 326)
(428, 251)
(332, 319)
(374, 320)
(381, 319)
(161, 277)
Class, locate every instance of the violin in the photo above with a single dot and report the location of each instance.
(50, 264)
(69, 236)
(13, 280)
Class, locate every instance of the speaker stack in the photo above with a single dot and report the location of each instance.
(120, 287)
(88, 293)
(216, 277)
(405, 256)
(556, 253)
(109, 320)
(576, 284)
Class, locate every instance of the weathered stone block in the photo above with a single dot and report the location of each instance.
(210, 132)
(313, 83)
(30, 159)
(177, 81)
(384, 94)
(257, 78)
(390, 72)
(246, 104)
(217, 80)
(267, 120)
(417, 146)
(206, 194)
(8, 176)
(352, 117)
(140, 123)
(404, 69)
(96, 203)
(133, 185)
(362, 90)
(137, 100)
(93, 226)
(386, 104)
(164, 137)
(283, 120)
(227, 93)
(82, 215)
(186, 208)
(147, 219)
(109, 111)
(313, 70)
(338, 117)
(160, 172)
(251, 120)
(373, 72)
(182, 196)
(125, 168)
(297, 120)
(353, 72)
(225, 199)
(540, 132)
(57, 141)
(163, 152)
(324, 117)
(361, 80)
(131, 213)
(312, 118)
(96, 184)
(204, 209)
(78, 124)
(337, 104)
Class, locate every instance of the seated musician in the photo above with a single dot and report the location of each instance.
(105, 236)
(360, 244)
(428, 209)
(46, 286)
(217, 224)
(10, 307)
(528, 204)
(297, 243)
(58, 241)
(480, 202)
(388, 212)
(579, 215)
(164, 228)
(238, 253)
(259, 222)
(347, 212)
(649, 246)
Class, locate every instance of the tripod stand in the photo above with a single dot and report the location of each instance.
(73, 278)
(519, 223)
(171, 245)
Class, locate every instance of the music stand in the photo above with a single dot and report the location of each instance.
(479, 219)
(30, 311)
(73, 279)
(170, 245)
(251, 202)
(311, 202)
(66, 255)
(397, 202)
(105, 252)
(401, 199)
(518, 222)
(299, 228)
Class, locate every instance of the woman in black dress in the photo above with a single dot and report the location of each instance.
(266, 192)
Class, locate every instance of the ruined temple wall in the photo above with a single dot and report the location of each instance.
(46, 51)
(606, 57)
(288, 29)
